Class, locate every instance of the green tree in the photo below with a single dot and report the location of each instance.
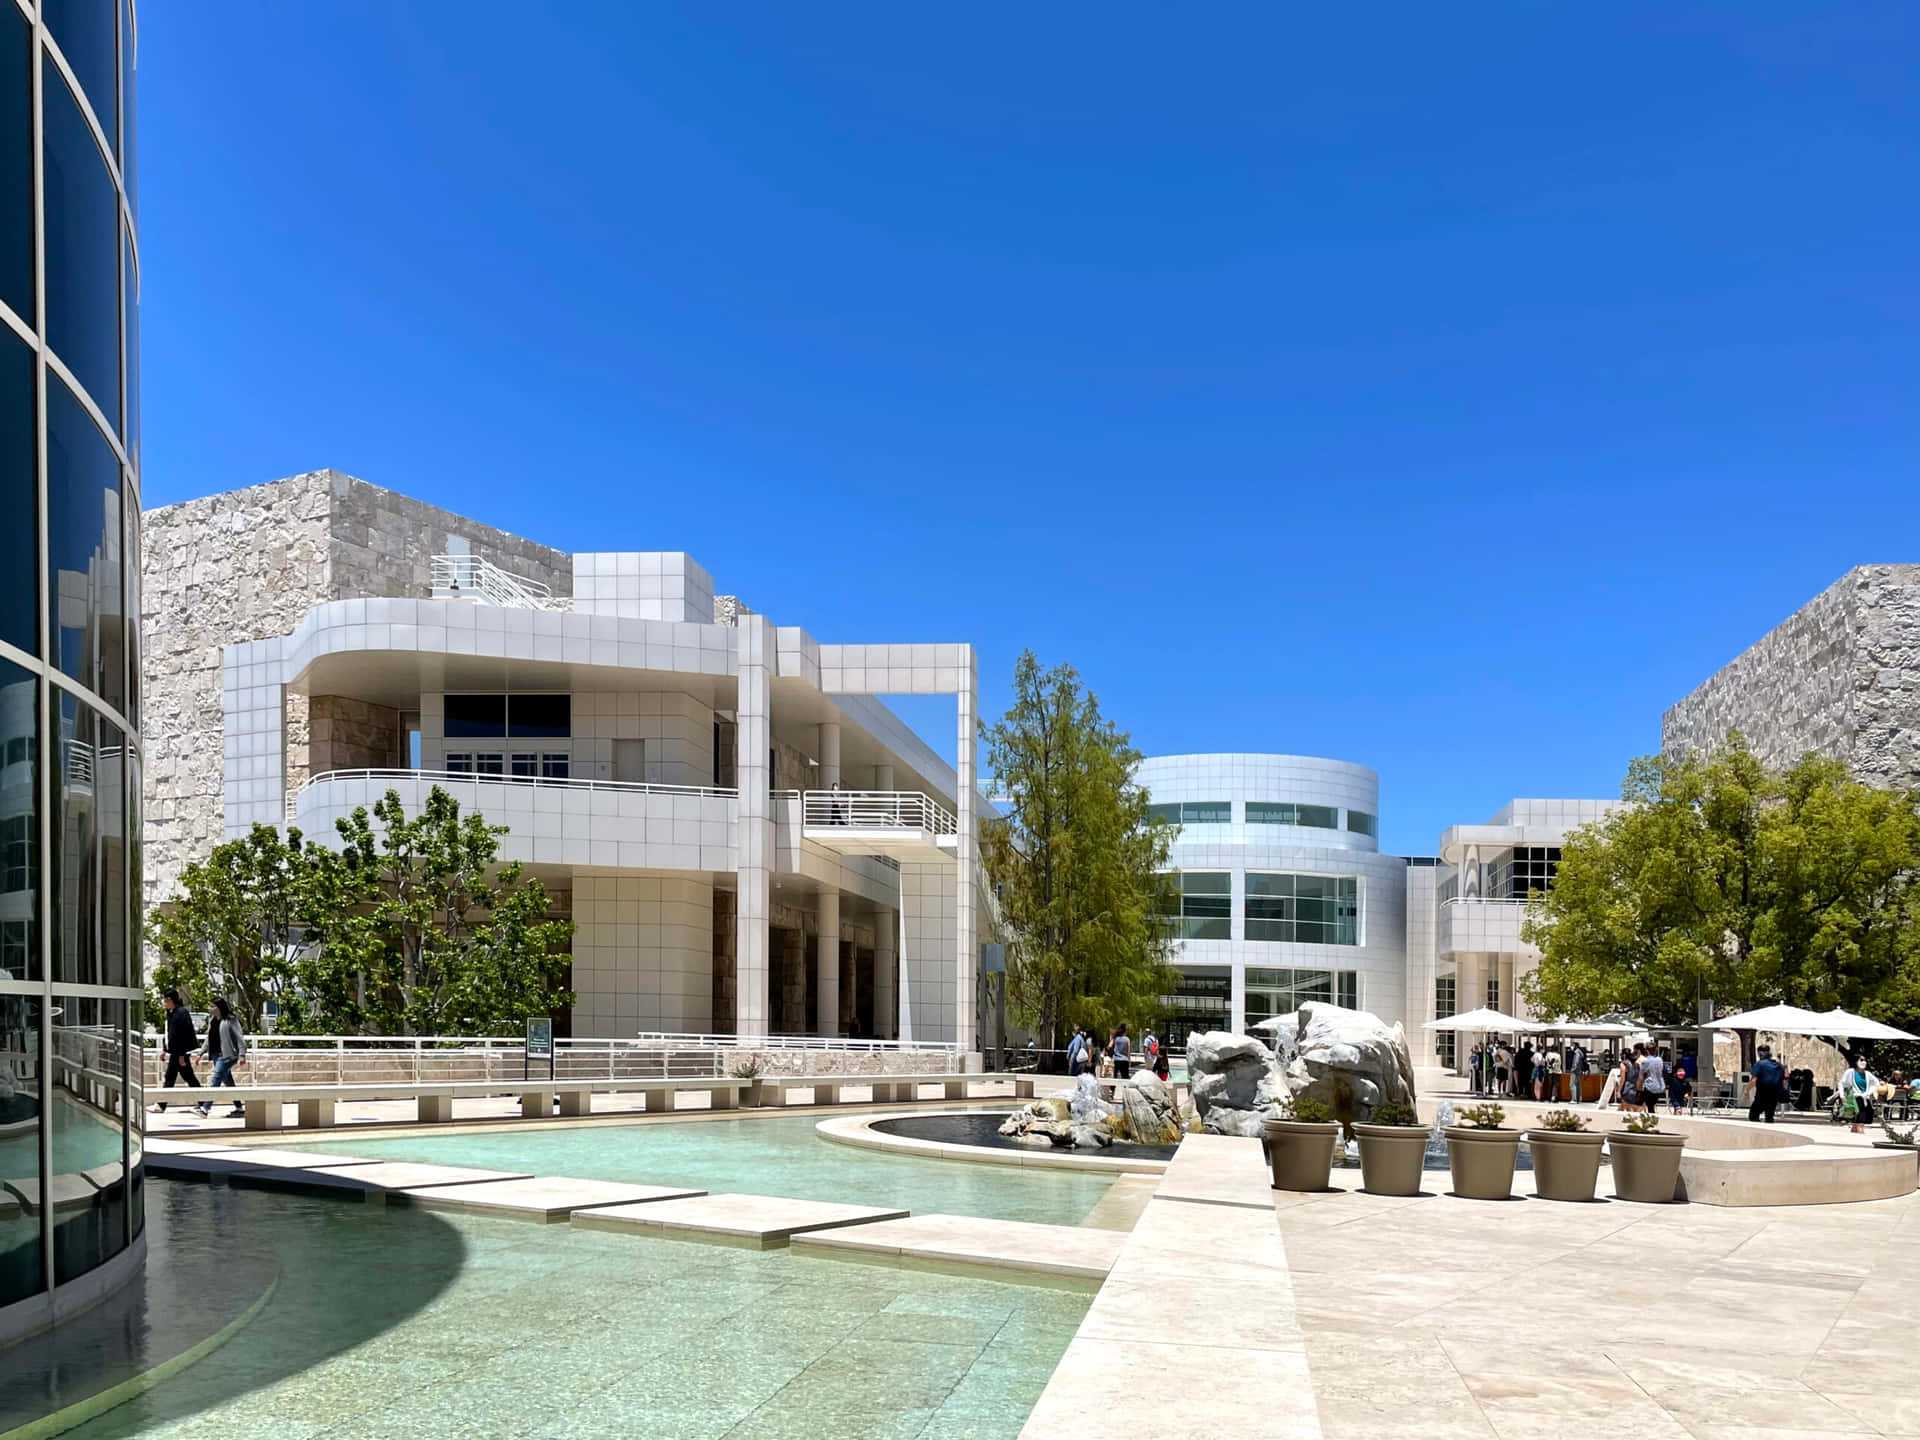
(1724, 880)
(1076, 862)
(430, 934)
(241, 919)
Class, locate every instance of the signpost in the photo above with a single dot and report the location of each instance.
(539, 1045)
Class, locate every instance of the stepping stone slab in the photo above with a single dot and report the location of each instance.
(237, 1159)
(1069, 1250)
(763, 1221)
(545, 1199)
(371, 1177)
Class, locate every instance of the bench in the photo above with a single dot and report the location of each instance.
(887, 1089)
(264, 1104)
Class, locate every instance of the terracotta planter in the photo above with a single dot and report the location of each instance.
(1392, 1158)
(1301, 1154)
(1482, 1161)
(1646, 1168)
(1566, 1163)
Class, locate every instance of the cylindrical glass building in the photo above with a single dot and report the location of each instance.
(70, 1172)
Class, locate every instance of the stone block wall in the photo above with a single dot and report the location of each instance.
(1840, 677)
(348, 734)
(248, 564)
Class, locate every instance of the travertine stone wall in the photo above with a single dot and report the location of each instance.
(247, 564)
(349, 734)
(1841, 677)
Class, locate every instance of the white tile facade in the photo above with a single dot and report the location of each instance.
(642, 953)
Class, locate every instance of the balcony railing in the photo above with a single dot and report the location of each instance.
(462, 777)
(468, 577)
(876, 810)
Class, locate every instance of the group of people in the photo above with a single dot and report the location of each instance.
(1643, 1076)
(1086, 1057)
(224, 1045)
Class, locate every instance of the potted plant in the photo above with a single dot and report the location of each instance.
(1393, 1150)
(1481, 1153)
(1646, 1164)
(1566, 1157)
(1300, 1147)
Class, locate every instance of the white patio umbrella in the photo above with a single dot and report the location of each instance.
(1596, 1029)
(1779, 1019)
(1485, 1019)
(1849, 1026)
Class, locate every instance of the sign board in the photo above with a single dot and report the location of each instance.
(540, 1038)
(993, 959)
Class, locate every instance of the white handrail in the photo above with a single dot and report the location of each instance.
(468, 577)
(877, 810)
(460, 777)
(673, 1039)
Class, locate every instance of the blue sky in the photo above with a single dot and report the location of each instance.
(1444, 388)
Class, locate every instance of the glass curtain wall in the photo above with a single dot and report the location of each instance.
(70, 1000)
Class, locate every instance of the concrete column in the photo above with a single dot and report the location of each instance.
(829, 754)
(885, 1016)
(753, 732)
(827, 993)
(883, 777)
(1237, 998)
(1509, 1001)
(967, 950)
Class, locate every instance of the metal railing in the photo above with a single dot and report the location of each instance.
(452, 777)
(468, 577)
(876, 810)
(670, 1038)
(1484, 900)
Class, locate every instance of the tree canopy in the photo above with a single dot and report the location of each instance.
(1725, 880)
(1076, 862)
(411, 927)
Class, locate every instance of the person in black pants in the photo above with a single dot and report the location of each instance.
(1769, 1086)
(181, 1043)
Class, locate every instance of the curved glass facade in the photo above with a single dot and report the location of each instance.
(70, 1082)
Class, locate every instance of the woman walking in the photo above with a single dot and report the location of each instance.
(226, 1048)
(1857, 1089)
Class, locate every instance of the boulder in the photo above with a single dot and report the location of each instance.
(1152, 1116)
(1235, 1083)
(1352, 1059)
(1087, 1105)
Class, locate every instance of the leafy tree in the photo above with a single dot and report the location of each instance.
(242, 917)
(1724, 880)
(430, 935)
(1076, 863)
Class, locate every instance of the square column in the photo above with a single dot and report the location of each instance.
(886, 934)
(827, 992)
(753, 773)
(965, 941)
(829, 754)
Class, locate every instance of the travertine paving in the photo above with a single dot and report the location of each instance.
(762, 1220)
(1075, 1252)
(379, 1178)
(1441, 1318)
(543, 1199)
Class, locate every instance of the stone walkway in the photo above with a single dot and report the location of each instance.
(1447, 1319)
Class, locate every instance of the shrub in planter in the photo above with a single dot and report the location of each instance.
(1300, 1147)
(1481, 1153)
(1898, 1138)
(1566, 1158)
(1393, 1150)
(1646, 1163)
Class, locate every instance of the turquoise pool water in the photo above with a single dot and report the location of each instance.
(756, 1155)
(394, 1322)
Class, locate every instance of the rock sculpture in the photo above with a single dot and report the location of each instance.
(1236, 1082)
(1152, 1116)
(1352, 1059)
(1081, 1118)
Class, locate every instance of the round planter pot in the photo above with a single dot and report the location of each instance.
(1482, 1161)
(1565, 1163)
(1646, 1168)
(1392, 1158)
(1301, 1154)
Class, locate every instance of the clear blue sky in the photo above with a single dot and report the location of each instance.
(1447, 388)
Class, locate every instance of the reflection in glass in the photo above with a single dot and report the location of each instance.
(16, 159)
(75, 871)
(19, 827)
(129, 132)
(85, 30)
(83, 247)
(110, 808)
(19, 563)
(83, 546)
(130, 432)
(87, 1115)
(20, 1264)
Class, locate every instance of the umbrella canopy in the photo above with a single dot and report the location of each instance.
(1484, 1019)
(1780, 1019)
(1595, 1029)
(1857, 1027)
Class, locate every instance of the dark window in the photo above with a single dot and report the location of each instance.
(20, 1264)
(1361, 823)
(1202, 1000)
(1286, 812)
(553, 767)
(1167, 813)
(476, 717)
(83, 545)
(1517, 873)
(75, 870)
(1303, 909)
(16, 164)
(1194, 812)
(459, 762)
(19, 830)
(489, 764)
(83, 248)
(527, 766)
(540, 717)
(1281, 992)
(1204, 902)
(19, 548)
(85, 31)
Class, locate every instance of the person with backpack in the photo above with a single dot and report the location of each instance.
(181, 1042)
(226, 1047)
(1076, 1054)
(1160, 1065)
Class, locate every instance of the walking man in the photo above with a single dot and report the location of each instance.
(1769, 1086)
(181, 1042)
